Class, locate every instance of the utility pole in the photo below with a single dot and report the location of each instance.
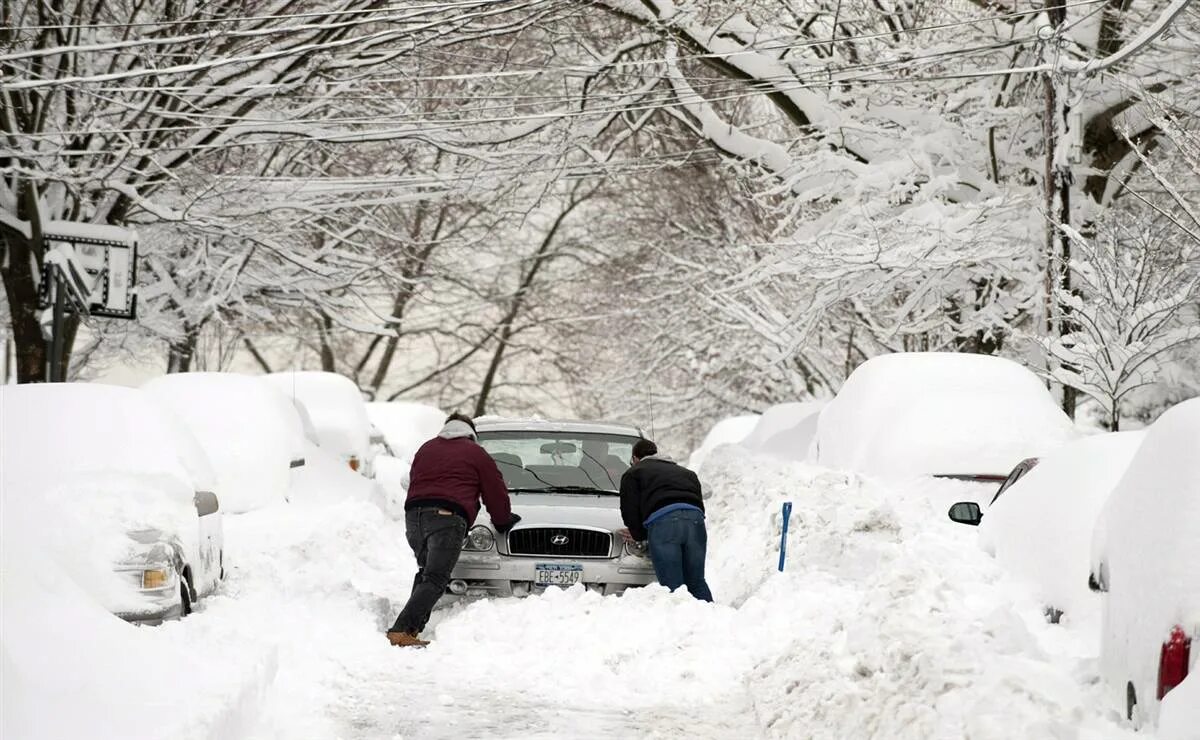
(1057, 186)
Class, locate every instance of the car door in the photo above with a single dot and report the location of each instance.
(207, 573)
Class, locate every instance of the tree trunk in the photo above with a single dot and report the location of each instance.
(21, 287)
(181, 353)
(328, 361)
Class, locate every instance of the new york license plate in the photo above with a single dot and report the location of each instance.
(557, 574)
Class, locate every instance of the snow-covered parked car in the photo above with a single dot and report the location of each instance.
(337, 410)
(126, 495)
(785, 430)
(252, 433)
(1146, 560)
(940, 414)
(564, 478)
(1039, 526)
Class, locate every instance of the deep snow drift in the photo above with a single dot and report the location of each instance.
(889, 622)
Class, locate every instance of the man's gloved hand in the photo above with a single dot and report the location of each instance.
(504, 529)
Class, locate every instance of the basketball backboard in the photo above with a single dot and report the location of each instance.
(106, 255)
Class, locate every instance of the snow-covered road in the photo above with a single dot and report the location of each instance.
(889, 622)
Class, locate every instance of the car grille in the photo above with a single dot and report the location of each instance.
(580, 543)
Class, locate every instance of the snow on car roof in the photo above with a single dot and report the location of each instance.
(53, 432)
(939, 413)
(251, 432)
(335, 406)
(570, 426)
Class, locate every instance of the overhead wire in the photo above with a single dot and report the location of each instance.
(44, 82)
(666, 99)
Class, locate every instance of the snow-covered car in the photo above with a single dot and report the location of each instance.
(1146, 561)
(125, 493)
(564, 479)
(252, 433)
(942, 414)
(785, 430)
(337, 410)
(1040, 524)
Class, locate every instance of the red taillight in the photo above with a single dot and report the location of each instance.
(354, 464)
(1173, 661)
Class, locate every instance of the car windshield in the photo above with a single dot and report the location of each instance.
(559, 462)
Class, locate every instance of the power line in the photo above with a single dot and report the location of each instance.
(379, 135)
(45, 82)
(665, 100)
(246, 18)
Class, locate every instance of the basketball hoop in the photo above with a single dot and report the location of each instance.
(98, 266)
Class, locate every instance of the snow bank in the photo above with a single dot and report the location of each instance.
(884, 624)
(249, 430)
(335, 406)
(1180, 719)
(910, 414)
(785, 430)
(1147, 542)
(729, 431)
(1041, 528)
(406, 425)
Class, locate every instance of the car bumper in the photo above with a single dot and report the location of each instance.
(493, 574)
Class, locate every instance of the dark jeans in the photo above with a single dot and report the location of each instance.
(678, 542)
(436, 539)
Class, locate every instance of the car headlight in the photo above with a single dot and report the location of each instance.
(159, 577)
(637, 549)
(479, 539)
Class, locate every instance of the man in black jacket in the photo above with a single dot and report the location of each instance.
(661, 502)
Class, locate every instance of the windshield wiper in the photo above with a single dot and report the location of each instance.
(565, 489)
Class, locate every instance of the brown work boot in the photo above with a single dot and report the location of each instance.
(406, 639)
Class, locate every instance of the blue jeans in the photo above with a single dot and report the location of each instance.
(678, 542)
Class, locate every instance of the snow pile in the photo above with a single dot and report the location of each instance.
(1180, 718)
(71, 669)
(884, 624)
(1147, 544)
(406, 425)
(729, 431)
(785, 430)
(1048, 517)
(335, 406)
(250, 432)
(934, 413)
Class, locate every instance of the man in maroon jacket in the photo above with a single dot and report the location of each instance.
(450, 474)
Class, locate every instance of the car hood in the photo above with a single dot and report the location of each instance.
(567, 510)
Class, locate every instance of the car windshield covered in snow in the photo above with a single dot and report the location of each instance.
(559, 461)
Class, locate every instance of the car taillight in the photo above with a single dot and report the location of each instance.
(354, 464)
(1173, 661)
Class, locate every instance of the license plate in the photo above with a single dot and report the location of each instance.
(557, 574)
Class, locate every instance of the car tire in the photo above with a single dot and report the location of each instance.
(185, 598)
(1130, 702)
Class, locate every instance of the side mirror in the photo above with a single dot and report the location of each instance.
(1098, 582)
(966, 512)
(206, 503)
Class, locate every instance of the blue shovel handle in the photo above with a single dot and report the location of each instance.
(787, 515)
